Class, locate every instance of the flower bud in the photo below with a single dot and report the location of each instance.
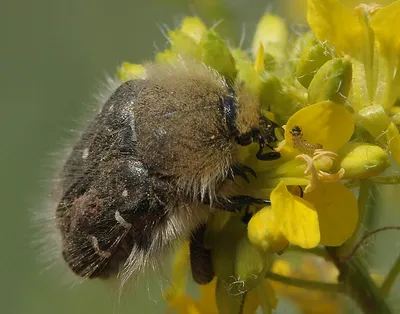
(313, 57)
(361, 160)
(331, 82)
(303, 41)
(184, 44)
(375, 120)
(249, 75)
(216, 54)
(393, 138)
(166, 56)
(272, 33)
(194, 28)
(129, 71)
(224, 245)
(251, 263)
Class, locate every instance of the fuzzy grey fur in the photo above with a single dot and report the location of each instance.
(134, 183)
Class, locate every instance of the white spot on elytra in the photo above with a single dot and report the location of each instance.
(125, 193)
(122, 221)
(85, 153)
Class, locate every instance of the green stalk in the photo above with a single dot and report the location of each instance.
(306, 284)
(359, 285)
(390, 278)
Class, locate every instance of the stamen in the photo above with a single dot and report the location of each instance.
(319, 174)
(310, 169)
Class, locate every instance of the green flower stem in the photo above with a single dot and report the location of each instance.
(363, 239)
(307, 284)
(390, 278)
(359, 284)
(385, 180)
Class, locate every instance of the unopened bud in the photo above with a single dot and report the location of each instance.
(272, 33)
(360, 160)
(313, 57)
(130, 71)
(194, 28)
(183, 44)
(216, 54)
(331, 82)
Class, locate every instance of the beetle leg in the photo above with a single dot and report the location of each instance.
(241, 171)
(237, 203)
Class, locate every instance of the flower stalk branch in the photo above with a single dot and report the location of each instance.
(307, 284)
(359, 284)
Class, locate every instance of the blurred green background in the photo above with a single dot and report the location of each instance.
(54, 56)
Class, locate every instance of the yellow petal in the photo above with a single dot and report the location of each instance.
(259, 63)
(331, 20)
(263, 230)
(384, 23)
(180, 265)
(325, 123)
(337, 212)
(183, 304)
(207, 303)
(297, 218)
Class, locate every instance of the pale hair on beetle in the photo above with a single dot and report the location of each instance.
(151, 166)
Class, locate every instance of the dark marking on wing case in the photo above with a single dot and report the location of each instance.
(108, 179)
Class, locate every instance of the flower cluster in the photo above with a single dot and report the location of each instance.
(334, 91)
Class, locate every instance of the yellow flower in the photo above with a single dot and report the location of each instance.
(327, 214)
(347, 74)
(368, 36)
(296, 10)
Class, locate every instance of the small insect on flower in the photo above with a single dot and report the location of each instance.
(301, 144)
(152, 165)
